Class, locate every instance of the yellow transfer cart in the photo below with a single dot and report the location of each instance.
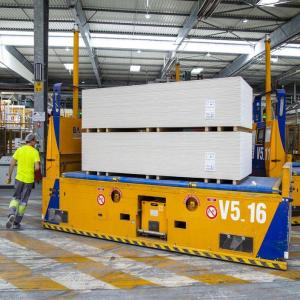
(245, 223)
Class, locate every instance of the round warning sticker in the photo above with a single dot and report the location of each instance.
(101, 199)
(211, 212)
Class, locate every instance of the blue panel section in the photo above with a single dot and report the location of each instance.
(54, 199)
(251, 184)
(296, 170)
(257, 109)
(275, 242)
(258, 159)
(295, 164)
(281, 114)
(56, 111)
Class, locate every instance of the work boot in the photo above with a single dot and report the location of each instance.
(16, 226)
(10, 221)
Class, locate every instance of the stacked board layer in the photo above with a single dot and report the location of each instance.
(215, 155)
(181, 149)
(198, 103)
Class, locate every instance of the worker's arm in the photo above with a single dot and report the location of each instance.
(10, 170)
(37, 166)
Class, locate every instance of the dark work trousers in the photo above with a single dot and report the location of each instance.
(20, 199)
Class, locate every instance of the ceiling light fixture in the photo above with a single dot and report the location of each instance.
(208, 54)
(274, 59)
(67, 49)
(69, 67)
(147, 15)
(139, 51)
(245, 20)
(267, 2)
(134, 68)
(196, 71)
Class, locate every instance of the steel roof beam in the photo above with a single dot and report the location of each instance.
(278, 37)
(81, 21)
(15, 61)
(199, 9)
(285, 75)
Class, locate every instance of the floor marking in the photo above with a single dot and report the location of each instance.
(198, 273)
(24, 278)
(247, 273)
(6, 286)
(212, 278)
(295, 254)
(290, 274)
(81, 263)
(155, 275)
(61, 273)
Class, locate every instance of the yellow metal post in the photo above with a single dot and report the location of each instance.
(177, 71)
(268, 79)
(75, 71)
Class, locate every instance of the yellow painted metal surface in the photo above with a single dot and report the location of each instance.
(268, 86)
(75, 71)
(296, 200)
(275, 156)
(218, 212)
(177, 72)
(154, 212)
(68, 156)
(70, 136)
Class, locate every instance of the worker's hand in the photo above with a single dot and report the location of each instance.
(8, 180)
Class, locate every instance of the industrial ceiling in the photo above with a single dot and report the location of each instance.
(222, 38)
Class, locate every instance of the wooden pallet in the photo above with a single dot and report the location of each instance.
(170, 129)
(158, 177)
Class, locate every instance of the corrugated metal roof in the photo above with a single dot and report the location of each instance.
(16, 25)
(155, 5)
(133, 29)
(106, 16)
(127, 53)
(59, 26)
(115, 63)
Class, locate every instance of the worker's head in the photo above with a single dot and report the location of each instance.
(30, 139)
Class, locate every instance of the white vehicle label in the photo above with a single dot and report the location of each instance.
(257, 212)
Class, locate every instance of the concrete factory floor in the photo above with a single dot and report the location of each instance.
(43, 264)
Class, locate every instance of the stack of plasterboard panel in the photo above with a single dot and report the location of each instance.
(211, 102)
(215, 155)
(185, 106)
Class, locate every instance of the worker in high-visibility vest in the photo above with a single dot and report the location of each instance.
(28, 160)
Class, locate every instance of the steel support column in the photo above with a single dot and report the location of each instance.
(41, 19)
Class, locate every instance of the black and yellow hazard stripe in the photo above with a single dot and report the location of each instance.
(273, 264)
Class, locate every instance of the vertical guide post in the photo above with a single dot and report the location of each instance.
(41, 22)
(75, 70)
(268, 79)
(177, 71)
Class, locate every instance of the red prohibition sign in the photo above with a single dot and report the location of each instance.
(101, 199)
(211, 212)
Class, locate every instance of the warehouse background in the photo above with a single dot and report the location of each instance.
(144, 33)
